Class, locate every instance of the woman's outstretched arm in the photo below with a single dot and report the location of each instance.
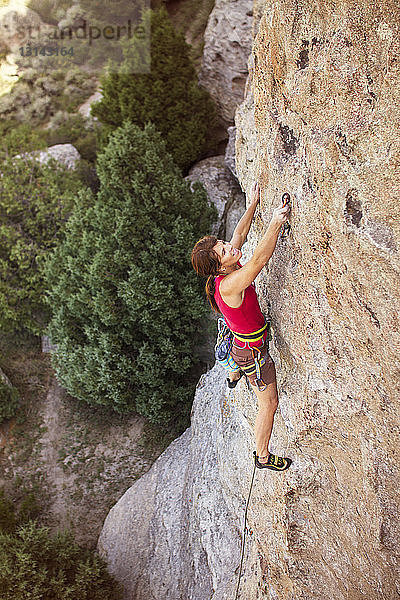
(234, 283)
(242, 228)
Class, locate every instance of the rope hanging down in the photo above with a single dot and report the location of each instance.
(244, 533)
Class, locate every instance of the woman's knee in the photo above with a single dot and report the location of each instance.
(268, 397)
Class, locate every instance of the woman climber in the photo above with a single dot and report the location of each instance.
(231, 292)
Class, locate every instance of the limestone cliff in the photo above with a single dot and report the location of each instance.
(321, 120)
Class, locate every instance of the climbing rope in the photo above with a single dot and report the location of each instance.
(244, 532)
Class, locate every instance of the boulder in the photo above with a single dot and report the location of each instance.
(66, 154)
(85, 108)
(223, 191)
(18, 25)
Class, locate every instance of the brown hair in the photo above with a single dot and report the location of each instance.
(206, 263)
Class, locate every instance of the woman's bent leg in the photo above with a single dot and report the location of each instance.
(267, 405)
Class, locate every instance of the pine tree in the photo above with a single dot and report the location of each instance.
(126, 304)
(168, 96)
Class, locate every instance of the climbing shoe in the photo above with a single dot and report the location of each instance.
(233, 384)
(275, 463)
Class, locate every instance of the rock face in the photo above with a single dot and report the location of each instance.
(227, 45)
(223, 191)
(230, 151)
(320, 120)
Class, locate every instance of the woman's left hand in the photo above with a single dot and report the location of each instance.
(256, 193)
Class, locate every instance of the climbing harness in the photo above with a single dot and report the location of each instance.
(286, 226)
(244, 533)
(255, 336)
(223, 347)
(259, 360)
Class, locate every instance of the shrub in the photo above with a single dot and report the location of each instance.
(35, 201)
(34, 98)
(168, 96)
(126, 304)
(73, 129)
(34, 564)
(7, 514)
(9, 400)
(17, 512)
(18, 137)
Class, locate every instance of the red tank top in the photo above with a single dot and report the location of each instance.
(244, 319)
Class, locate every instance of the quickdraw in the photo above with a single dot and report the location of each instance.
(286, 226)
(224, 342)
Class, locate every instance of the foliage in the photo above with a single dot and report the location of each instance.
(14, 514)
(36, 565)
(73, 129)
(8, 518)
(36, 97)
(168, 95)
(126, 304)
(48, 9)
(18, 137)
(9, 399)
(35, 201)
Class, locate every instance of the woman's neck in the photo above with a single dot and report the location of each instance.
(234, 267)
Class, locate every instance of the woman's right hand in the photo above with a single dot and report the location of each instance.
(281, 215)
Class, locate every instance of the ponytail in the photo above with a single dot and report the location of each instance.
(210, 291)
(206, 263)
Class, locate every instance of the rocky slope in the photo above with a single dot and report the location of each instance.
(320, 119)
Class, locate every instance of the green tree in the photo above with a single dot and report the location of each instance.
(35, 201)
(36, 565)
(168, 96)
(126, 304)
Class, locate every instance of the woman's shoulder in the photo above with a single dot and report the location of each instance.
(217, 281)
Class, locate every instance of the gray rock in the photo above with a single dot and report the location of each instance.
(227, 45)
(223, 191)
(66, 154)
(175, 534)
(85, 108)
(16, 23)
(47, 346)
(230, 151)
